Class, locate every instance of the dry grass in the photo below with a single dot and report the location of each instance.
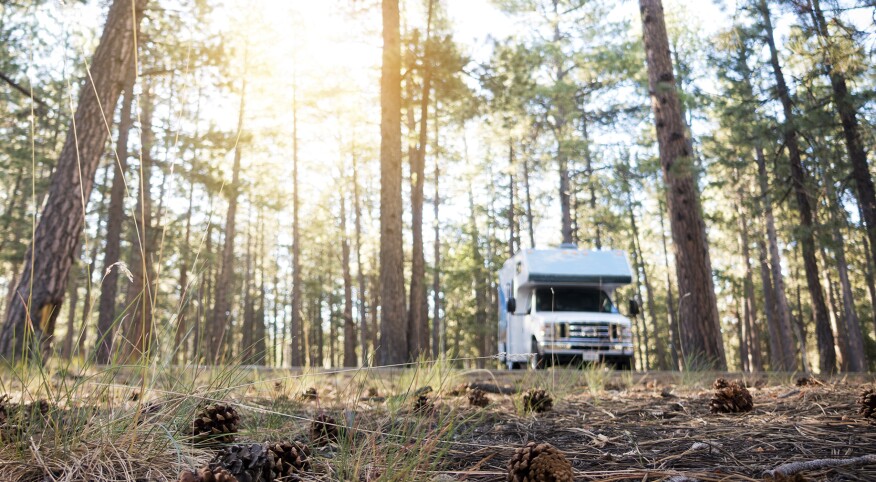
(611, 426)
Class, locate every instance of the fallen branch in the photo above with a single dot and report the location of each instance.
(796, 467)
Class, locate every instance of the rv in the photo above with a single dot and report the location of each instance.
(557, 306)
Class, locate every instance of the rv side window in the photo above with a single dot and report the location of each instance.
(572, 299)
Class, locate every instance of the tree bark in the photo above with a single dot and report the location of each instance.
(824, 335)
(418, 311)
(360, 266)
(674, 341)
(436, 262)
(40, 290)
(220, 324)
(393, 326)
(138, 323)
(349, 325)
(296, 326)
(701, 331)
(751, 335)
(848, 113)
(529, 223)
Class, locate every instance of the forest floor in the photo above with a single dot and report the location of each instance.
(135, 424)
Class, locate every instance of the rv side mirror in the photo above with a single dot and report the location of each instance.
(634, 308)
(511, 305)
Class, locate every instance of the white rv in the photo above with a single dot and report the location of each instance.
(556, 305)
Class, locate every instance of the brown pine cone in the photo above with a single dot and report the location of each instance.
(730, 398)
(207, 474)
(809, 381)
(539, 463)
(478, 398)
(290, 458)
(246, 462)
(309, 394)
(867, 403)
(216, 423)
(323, 430)
(721, 383)
(537, 401)
(423, 405)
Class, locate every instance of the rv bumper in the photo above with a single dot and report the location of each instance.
(601, 352)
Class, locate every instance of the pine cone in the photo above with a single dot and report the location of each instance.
(5, 408)
(290, 458)
(537, 401)
(809, 381)
(246, 462)
(323, 430)
(867, 402)
(216, 423)
(423, 405)
(207, 474)
(478, 398)
(458, 390)
(309, 394)
(730, 397)
(539, 463)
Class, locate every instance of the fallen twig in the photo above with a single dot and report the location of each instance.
(796, 467)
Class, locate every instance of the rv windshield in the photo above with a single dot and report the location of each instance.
(572, 299)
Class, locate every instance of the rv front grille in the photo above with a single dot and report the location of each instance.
(594, 332)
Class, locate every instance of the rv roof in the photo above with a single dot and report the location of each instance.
(577, 266)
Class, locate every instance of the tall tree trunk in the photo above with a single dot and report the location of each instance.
(674, 341)
(296, 326)
(393, 325)
(349, 325)
(138, 323)
(360, 266)
(511, 196)
(246, 328)
(785, 356)
(73, 289)
(855, 359)
(436, 261)
(478, 285)
(259, 343)
(181, 335)
(221, 320)
(700, 327)
(529, 223)
(40, 289)
(824, 335)
(751, 337)
(845, 106)
(595, 222)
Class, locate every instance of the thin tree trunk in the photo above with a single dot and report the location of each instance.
(296, 326)
(360, 266)
(349, 325)
(511, 196)
(701, 330)
(436, 262)
(220, 324)
(246, 328)
(40, 290)
(393, 322)
(529, 222)
(259, 344)
(824, 335)
(181, 335)
(848, 113)
(670, 296)
(751, 338)
(595, 223)
(785, 358)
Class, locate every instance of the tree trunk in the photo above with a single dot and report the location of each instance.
(511, 196)
(674, 341)
(848, 113)
(181, 331)
(246, 328)
(436, 263)
(67, 346)
(40, 289)
(595, 222)
(360, 266)
(701, 330)
(219, 328)
(854, 358)
(478, 285)
(296, 326)
(529, 223)
(140, 297)
(824, 335)
(418, 311)
(259, 344)
(751, 337)
(393, 326)
(785, 356)
(349, 325)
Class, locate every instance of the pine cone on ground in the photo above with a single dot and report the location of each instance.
(867, 403)
(423, 405)
(246, 462)
(216, 423)
(537, 401)
(309, 394)
(539, 463)
(323, 430)
(290, 458)
(478, 398)
(458, 390)
(809, 381)
(207, 474)
(730, 397)
(5, 408)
